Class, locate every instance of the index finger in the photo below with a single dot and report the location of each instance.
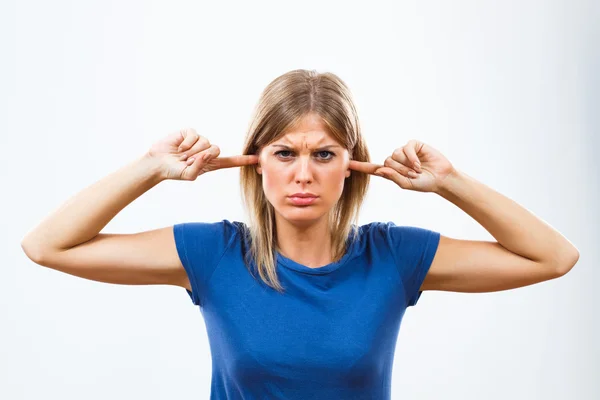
(234, 161)
(361, 166)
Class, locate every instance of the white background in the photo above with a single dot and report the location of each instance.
(508, 91)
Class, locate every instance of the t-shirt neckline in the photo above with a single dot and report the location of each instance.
(325, 269)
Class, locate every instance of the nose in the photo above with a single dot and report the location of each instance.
(303, 170)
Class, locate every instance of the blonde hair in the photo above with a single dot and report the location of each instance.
(283, 103)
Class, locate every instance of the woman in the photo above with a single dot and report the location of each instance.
(301, 302)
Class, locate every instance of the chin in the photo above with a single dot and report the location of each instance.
(301, 215)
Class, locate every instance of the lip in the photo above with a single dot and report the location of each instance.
(303, 195)
(303, 199)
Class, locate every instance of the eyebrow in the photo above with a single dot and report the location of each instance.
(319, 148)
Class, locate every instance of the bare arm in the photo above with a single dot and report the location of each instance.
(68, 240)
(84, 215)
(527, 249)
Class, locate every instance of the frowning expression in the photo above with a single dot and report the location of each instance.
(305, 160)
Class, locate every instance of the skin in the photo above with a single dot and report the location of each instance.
(527, 250)
(300, 162)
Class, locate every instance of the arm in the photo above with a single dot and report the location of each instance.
(68, 240)
(527, 250)
(84, 215)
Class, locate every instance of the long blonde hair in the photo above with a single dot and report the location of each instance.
(283, 103)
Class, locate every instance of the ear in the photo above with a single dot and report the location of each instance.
(349, 171)
(257, 166)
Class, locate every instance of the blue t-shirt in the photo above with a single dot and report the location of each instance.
(330, 335)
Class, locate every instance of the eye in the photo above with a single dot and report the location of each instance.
(277, 153)
(322, 155)
(325, 153)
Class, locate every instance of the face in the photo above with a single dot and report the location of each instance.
(307, 159)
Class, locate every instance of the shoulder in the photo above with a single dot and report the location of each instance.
(224, 225)
(398, 238)
(389, 229)
(217, 233)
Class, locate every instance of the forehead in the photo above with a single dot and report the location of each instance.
(310, 130)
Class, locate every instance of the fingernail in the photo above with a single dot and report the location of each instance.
(413, 174)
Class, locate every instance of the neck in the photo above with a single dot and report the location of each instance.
(309, 244)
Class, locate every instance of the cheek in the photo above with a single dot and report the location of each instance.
(268, 185)
(334, 181)
(336, 170)
(272, 178)
(337, 185)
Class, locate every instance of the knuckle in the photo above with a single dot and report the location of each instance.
(184, 132)
(203, 142)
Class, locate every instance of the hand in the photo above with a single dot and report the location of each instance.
(416, 166)
(185, 155)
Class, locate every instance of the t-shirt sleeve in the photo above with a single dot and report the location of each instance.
(413, 249)
(200, 246)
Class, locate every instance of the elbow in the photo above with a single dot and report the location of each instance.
(33, 251)
(567, 263)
